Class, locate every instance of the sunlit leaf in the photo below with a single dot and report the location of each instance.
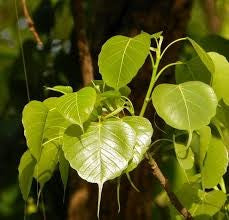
(26, 169)
(77, 107)
(187, 106)
(121, 57)
(215, 164)
(220, 76)
(101, 153)
(144, 132)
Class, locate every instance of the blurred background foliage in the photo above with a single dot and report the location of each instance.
(56, 64)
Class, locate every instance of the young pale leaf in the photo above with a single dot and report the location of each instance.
(205, 58)
(64, 168)
(193, 70)
(121, 57)
(102, 152)
(77, 107)
(26, 169)
(184, 156)
(34, 118)
(215, 164)
(205, 138)
(187, 106)
(61, 89)
(144, 132)
(46, 165)
(220, 76)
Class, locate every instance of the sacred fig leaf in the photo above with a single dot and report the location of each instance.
(184, 156)
(205, 58)
(193, 70)
(46, 165)
(144, 132)
(61, 89)
(34, 118)
(121, 57)
(220, 76)
(187, 106)
(101, 153)
(215, 163)
(64, 168)
(26, 169)
(77, 107)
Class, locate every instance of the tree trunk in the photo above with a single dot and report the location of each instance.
(108, 18)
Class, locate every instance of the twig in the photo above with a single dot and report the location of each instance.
(31, 23)
(165, 184)
(82, 42)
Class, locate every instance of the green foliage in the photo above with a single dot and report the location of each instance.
(97, 133)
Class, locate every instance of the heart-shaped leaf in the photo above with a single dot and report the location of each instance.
(101, 153)
(121, 57)
(144, 132)
(26, 169)
(77, 107)
(220, 76)
(215, 163)
(187, 106)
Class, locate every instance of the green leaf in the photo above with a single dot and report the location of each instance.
(205, 138)
(64, 168)
(210, 203)
(187, 106)
(157, 35)
(61, 89)
(46, 165)
(184, 156)
(220, 76)
(101, 153)
(215, 163)
(77, 107)
(193, 70)
(34, 117)
(144, 132)
(205, 58)
(26, 169)
(121, 57)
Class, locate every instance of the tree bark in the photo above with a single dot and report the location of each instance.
(129, 18)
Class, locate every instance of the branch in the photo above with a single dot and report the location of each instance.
(82, 42)
(30, 23)
(165, 184)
